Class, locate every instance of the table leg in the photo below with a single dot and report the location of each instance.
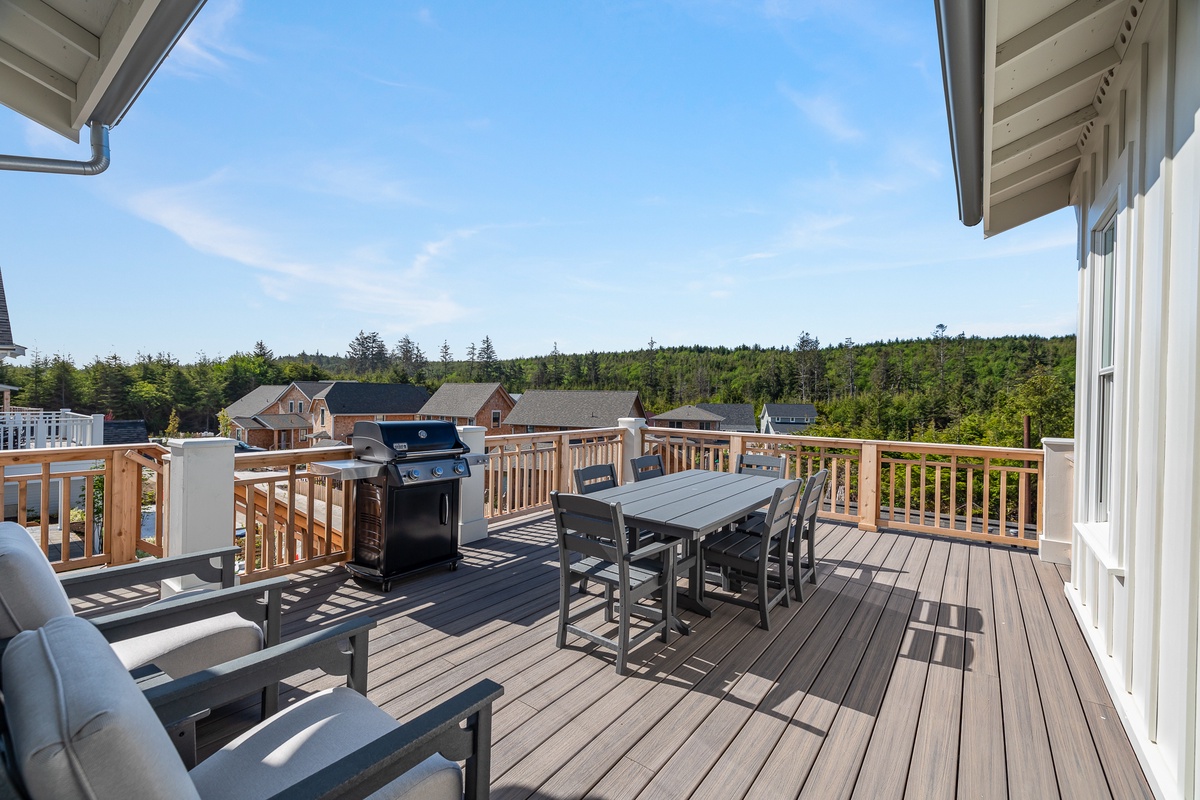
(693, 600)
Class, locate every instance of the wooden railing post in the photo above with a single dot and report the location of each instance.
(868, 487)
(562, 452)
(123, 521)
(737, 447)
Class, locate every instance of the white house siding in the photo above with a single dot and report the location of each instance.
(1136, 578)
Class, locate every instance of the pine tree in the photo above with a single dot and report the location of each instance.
(489, 366)
(367, 353)
(446, 357)
(472, 359)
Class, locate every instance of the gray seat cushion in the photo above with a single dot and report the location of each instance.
(30, 594)
(80, 726)
(307, 737)
(183, 649)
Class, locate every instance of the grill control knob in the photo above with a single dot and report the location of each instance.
(414, 473)
(437, 472)
(459, 469)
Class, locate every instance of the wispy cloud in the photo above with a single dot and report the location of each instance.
(362, 181)
(208, 43)
(425, 16)
(362, 278)
(825, 112)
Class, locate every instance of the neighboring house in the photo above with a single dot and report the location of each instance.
(241, 414)
(340, 404)
(7, 348)
(1097, 106)
(486, 404)
(734, 417)
(785, 418)
(688, 418)
(545, 410)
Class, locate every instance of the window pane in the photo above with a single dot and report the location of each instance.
(1103, 446)
(1106, 332)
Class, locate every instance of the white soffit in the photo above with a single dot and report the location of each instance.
(61, 61)
(1050, 62)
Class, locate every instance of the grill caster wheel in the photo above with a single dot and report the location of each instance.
(454, 566)
(385, 587)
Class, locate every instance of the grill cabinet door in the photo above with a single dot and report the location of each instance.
(421, 525)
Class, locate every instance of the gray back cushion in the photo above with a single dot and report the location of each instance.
(79, 725)
(30, 594)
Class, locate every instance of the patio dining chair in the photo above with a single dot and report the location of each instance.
(75, 725)
(760, 559)
(595, 478)
(177, 636)
(802, 565)
(592, 545)
(647, 467)
(764, 466)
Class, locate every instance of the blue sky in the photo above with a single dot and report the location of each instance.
(588, 173)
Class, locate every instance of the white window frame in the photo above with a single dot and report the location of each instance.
(1104, 284)
(495, 418)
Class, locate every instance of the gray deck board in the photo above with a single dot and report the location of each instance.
(915, 667)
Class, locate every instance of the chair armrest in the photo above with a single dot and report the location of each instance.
(246, 600)
(651, 550)
(196, 564)
(224, 683)
(438, 730)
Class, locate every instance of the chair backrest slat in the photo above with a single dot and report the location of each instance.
(646, 467)
(755, 464)
(594, 478)
(590, 527)
(778, 530)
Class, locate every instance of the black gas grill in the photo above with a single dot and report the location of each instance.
(406, 512)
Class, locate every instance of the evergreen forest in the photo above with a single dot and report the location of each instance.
(946, 388)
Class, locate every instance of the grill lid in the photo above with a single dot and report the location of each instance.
(391, 441)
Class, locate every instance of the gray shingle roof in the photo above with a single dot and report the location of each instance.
(689, 414)
(737, 416)
(254, 402)
(351, 397)
(459, 399)
(311, 389)
(125, 431)
(282, 422)
(790, 410)
(574, 409)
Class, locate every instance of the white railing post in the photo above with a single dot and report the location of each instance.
(40, 436)
(631, 431)
(471, 523)
(1058, 496)
(199, 502)
(97, 430)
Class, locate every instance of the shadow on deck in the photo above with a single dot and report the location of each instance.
(918, 668)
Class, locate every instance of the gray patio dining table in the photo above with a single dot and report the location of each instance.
(689, 506)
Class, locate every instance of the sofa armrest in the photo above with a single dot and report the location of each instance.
(224, 683)
(439, 730)
(258, 602)
(198, 565)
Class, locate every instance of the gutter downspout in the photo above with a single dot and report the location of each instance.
(99, 162)
(960, 36)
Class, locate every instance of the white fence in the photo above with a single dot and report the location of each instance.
(21, 430)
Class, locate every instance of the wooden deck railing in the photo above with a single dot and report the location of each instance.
(982, 493)
(523, 469)
(288, 518)
(84, 504)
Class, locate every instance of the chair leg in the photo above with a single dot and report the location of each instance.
(564, 607)
(764, 601)
(623, 640)
(608, 603)
(668, 595)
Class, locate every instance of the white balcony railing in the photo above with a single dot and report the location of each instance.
(25, 429)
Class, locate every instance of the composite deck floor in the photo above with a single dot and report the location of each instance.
(917, 668)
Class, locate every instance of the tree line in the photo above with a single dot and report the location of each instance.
(943, 387)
